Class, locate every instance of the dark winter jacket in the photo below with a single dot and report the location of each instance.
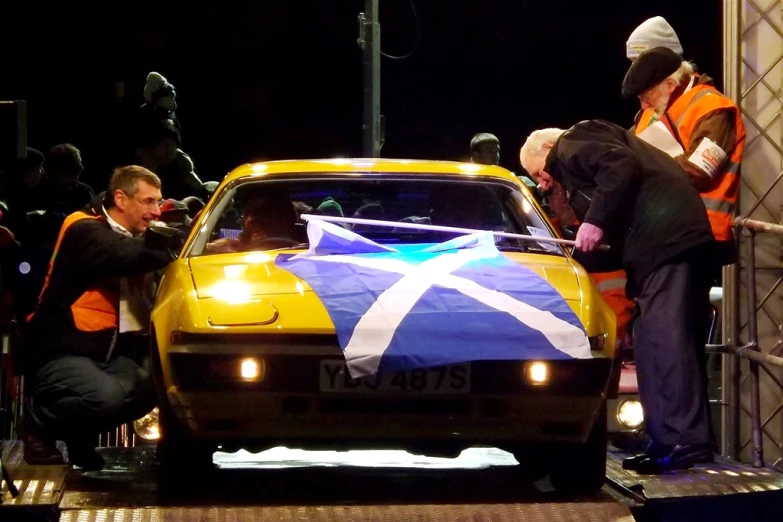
(639, 196)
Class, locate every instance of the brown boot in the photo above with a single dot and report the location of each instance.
(40, 450)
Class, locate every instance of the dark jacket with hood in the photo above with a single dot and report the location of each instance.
(639, 196)
(90, 258)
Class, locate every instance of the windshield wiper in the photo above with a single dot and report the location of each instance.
(300, 246)
(532, 247)
(512, 248)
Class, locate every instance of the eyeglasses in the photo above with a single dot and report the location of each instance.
(150, 202)
(643, 97)
(147, 202)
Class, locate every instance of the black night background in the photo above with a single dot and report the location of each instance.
(262, 80)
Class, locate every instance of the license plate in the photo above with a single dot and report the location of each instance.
(451, 379)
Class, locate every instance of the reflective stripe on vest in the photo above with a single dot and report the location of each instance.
(98, 307)
(720, 199)
(718, 205)
(699, 95)
(611, 284)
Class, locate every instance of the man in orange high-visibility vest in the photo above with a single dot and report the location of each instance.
(653, 32)
(708, 127)
(79, 381)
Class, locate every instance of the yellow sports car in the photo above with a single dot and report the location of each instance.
(376, 303)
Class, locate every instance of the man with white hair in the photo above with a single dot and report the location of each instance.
(707, 125)
(653, 32)
(630, 195)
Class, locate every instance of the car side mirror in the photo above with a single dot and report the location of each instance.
(164, 238)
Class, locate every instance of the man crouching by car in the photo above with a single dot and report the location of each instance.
(79, 385)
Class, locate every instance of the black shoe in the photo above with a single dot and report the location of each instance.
(633, 462)
(40, 450)
(681, 457)
(84, 455)
(653, 451)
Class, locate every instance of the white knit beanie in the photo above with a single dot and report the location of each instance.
(156, 86)
(653, 32)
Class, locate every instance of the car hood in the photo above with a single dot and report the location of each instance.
(242, 276)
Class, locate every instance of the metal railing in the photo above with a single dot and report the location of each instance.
(757, 360)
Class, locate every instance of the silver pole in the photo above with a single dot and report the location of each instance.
(438, 228)
(730, 323)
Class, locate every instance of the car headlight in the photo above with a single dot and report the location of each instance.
(250, 369)
(537, 373)
(630, 414)
(148, 427)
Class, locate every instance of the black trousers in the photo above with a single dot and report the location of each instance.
(76, 397)
(669, 338)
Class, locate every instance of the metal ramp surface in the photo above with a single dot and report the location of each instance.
(435, 512)
(286, 487)
(724, 490)
(289, 488)
(40, 487)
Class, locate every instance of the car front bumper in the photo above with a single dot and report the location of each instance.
(288, 405)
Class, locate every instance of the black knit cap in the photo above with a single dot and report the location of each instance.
(650, 69)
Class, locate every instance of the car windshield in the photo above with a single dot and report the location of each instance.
(265, 215)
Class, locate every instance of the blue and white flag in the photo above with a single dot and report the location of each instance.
(418, 306)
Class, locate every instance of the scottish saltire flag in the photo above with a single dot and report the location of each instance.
(417, 306)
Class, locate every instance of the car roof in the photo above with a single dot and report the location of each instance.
(368, 166)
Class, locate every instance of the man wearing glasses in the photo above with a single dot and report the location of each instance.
(81, 383)
(707, 127)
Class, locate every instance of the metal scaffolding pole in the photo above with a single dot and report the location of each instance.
(731, 367)
(370, 43)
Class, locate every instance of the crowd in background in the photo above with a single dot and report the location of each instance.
(38, 191)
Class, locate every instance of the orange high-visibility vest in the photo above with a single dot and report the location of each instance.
(611, 285)
(97, 308)
(720, 198)
(646, 119)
